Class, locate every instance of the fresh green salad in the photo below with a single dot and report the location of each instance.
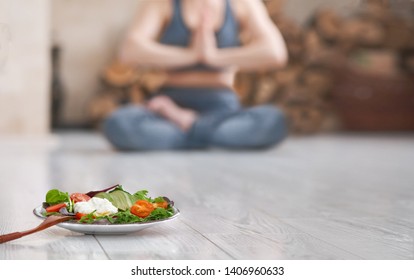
(114, 205)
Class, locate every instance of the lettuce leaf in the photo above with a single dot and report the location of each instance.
(55, 197)
(159, 214)
(142, 195)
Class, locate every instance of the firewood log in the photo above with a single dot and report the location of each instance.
(303, 119)
(399, 34)
(372, 34)
(376, 10)
(119, 75)
(379, 63)
(244, 86)
(152, 80)
(288, 75)
(296, 94)
(266, 90)
(313, 42)
(274, 7)
(318, 82)
(288, 28)
(407, 62)
(328, 24)
(101, 106)
(136, 95)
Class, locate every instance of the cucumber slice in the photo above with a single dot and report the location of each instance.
(120, 199)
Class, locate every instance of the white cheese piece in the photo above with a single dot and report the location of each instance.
(101, 206)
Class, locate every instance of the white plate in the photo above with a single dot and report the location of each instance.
(107, 229)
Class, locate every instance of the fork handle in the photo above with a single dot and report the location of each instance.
(48, 222)
(11, 236)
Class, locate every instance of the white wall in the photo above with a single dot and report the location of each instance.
(88, 31)
(24, 79)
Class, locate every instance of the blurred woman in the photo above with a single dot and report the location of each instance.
(197, 43)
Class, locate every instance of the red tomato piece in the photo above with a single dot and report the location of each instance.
(163, 204)
(88, 218)
(79, 215)
(79, 197)
(142, 208)
(55, 208)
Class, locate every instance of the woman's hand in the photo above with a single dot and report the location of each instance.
(204, 40)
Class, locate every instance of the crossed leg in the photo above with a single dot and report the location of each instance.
(184, 118)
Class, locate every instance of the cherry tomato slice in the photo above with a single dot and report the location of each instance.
(79, 197)
(55, 208)
(88, 218)
(79, 215)
(163, 204)
(142, 208)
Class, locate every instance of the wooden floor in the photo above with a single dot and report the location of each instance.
(318, 197)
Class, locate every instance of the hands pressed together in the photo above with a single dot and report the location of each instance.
(204, 43)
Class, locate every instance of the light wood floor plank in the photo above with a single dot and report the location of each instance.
(365, 237)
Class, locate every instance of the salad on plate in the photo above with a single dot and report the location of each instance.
(113, 205)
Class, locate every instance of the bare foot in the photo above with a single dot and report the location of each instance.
(165, 107)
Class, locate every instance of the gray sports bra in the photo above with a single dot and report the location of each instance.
(178, 34)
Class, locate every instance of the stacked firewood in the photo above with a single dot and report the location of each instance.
(328, 43)
(303, 89)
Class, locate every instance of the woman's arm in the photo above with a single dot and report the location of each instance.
(265, 49)
(140, 48)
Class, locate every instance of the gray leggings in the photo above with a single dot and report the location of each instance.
(222, 122)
